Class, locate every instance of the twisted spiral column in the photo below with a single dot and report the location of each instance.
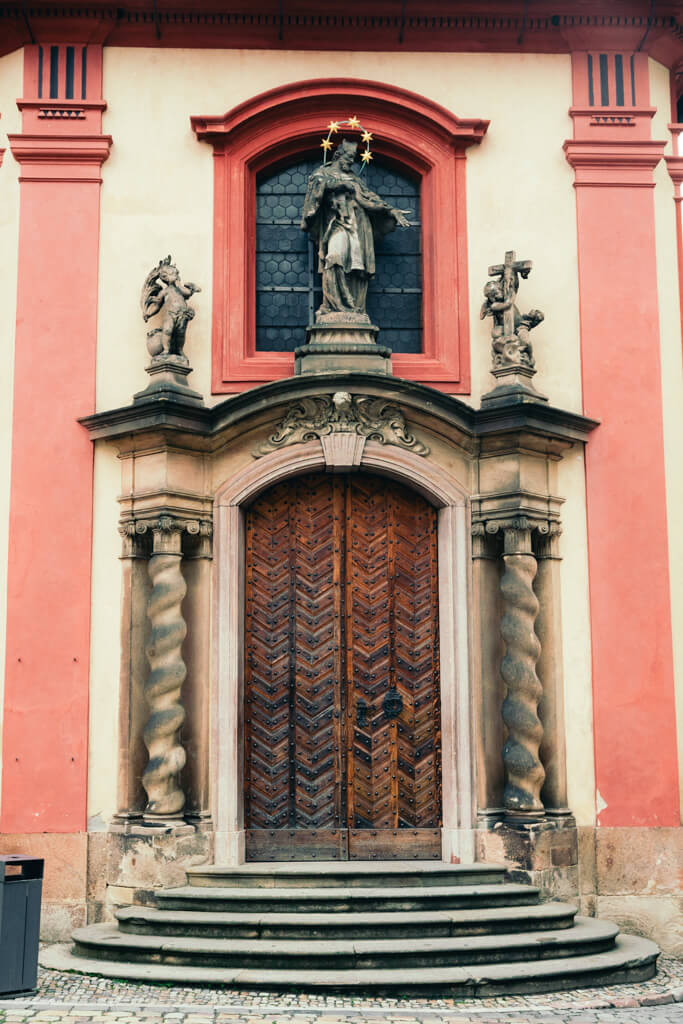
(165, 798)
(524, 771)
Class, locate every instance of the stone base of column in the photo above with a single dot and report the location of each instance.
(339, 347)
(544, 853)
(134, 864)
(201, 821)
(144, 827)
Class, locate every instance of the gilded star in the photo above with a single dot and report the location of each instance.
(333, 126)
(366, 137)
(366, 156)
(353, 122)
(326, 144)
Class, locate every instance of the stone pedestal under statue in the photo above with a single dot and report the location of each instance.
(336, 344)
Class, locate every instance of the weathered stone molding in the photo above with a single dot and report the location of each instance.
(316, 417)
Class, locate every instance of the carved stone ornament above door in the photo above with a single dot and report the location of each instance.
(374, 419)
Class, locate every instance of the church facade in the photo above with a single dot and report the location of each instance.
(356, 537)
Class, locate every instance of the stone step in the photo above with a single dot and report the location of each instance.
(587, 937)
(428, 924)
(335, 900)
(631, 960)
(319, 874)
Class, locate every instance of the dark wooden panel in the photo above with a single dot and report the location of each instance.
(371, 741)
(342, 723)
(293, 686)
(392, 658)
(317, 689)
(395, 844)
(267, 662)
(297, 844)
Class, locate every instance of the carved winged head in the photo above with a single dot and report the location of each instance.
(167, 271)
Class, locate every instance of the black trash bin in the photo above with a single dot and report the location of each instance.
(21, 886)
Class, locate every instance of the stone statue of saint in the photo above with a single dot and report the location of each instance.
(343, 216)
(163, 292)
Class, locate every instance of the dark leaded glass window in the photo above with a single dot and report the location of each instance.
(288, 289)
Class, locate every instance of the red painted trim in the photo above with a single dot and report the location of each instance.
(45, 722)
(634, 714)
(440, 25)
(675, 167)
(287, 122)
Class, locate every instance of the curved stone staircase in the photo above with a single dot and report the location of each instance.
(400, 928)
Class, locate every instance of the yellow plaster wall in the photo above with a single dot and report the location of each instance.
(11, 71)
(672, 376)
(578, 689)
(157, 195)
(157, 198)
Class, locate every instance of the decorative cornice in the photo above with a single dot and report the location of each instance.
(614, 163)
(674, 166)
(547, 27)
(233, 414)
(376, 419)
(70, 110)
(283, 101)
(60, 157)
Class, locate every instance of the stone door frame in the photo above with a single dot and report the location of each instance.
(227, 730)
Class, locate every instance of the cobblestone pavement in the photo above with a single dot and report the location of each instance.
(66, 998)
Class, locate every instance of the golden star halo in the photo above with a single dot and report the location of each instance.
(350, 122)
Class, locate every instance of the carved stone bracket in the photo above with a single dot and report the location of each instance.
(375, 419)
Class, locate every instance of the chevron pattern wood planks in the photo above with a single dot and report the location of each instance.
(342, 722)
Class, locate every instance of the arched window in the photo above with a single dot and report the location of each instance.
(288, 285)
(278, 130)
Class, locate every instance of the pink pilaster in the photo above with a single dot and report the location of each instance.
(613, 158)
(60, 152)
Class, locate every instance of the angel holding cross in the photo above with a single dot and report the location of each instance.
(511, 344)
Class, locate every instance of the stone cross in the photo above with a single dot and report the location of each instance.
(508, 272)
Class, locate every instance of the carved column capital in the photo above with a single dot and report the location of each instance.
(522, 534)
(548, 542)
(166, 531)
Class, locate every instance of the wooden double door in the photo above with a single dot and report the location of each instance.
(342, 716)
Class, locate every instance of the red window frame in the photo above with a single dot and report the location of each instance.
(287, 122)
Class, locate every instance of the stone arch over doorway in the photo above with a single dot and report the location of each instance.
(232, 498)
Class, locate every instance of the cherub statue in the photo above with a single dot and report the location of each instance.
(163, 292)
(510, 342)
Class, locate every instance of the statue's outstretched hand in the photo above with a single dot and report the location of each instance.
(400, 217)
